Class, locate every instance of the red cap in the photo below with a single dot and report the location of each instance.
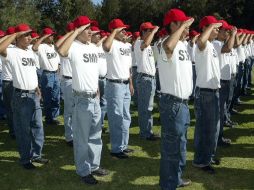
(10, 30)
(174, 15)
(117, 23)
(136, 34)
(193, 33)
(2, 33)
(129, 34)
(81, 21)
(225, 25)
(34, 35)
(95, 29)
(146, 25)
(94, 23)
(207, 20)
(23, 28)
(70, 26)
(163, 32)
(48, 31)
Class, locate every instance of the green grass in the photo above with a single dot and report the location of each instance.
(140, 171)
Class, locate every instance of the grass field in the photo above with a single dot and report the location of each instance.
(140, 171)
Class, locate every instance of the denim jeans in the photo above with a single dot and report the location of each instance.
(175, 119)
(134, 82)
(146, 90)
(118, 99)
(207, 112)
(239, 81)
(103, 101)
(66, 85)
(7, 100)
(27, 118)
(250, 70)
(247, 64)
(158, 85)
(194, 77)
(232, 86)
(50, 87)
(2, 108)
(86, 127)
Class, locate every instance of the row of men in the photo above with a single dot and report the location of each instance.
(87, 71)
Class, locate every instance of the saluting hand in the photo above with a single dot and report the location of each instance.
(81, 28)
(216, 25)
(117, 30)
(188, 23)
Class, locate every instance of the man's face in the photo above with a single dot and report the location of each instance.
(24, 40)
(223, 34)
(86, 34)
(96, 37)
(146, 33)
(121, 35)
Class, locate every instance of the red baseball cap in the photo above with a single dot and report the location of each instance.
(23, 28)
(2, 33)
(95, 29)
(48, 31)
(35, 35)
(174, 15)
(94, 23)
(136, 34)
(146, 25)
(225, 25)
(81, 21)
(10, 30)
(193, 33)
(207, 20)
(163, 32)
(129, 34)
(117, 23)
(70, 26)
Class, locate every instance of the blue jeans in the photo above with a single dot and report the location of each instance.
(247, 64)
(134, 82)
(146, 90)
(118, 99)
(7, 100)
(27, 118)
(103, 101)
(250, 70)
(158, 85)
(50, 87)
(87, 141)
(175, 119)
(2, 108)
(207, 112)
(66, 85)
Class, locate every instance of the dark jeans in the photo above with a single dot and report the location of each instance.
(175, 119)
(207, 125)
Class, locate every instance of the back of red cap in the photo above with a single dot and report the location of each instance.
(10, 30)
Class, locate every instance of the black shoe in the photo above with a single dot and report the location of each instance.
(128, 150)
(215, 161)
(89, 179)
(100, 172)
(41, 160)
(120, 155)
(153, 137)
(69, 143)
(224, 142)
(209, 169)
(185, 183)
(228, 124)
(29, 166)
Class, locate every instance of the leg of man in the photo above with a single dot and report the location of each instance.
(134, 81)
(103, 101)
(55, 102)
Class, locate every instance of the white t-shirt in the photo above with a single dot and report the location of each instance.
(48, 57)
(191, 51)
(234, 61)
(247, 50)
(207, 67)
(85, 66)
(241, 53)
(65, 68)
(145, 59)
(6, 68)
(119, 61)
(102, 62)
(134, 61)
(36, 56)
(224, 59)
(176, 73)
(23, 65)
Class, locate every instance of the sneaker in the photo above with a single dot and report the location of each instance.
(153, 137)
(120, 155)
(29, 166)
(215, 161)
(209, 169)
(89, 179)
(185, 182)
(69, 143)
(128, 150)
(100, 172)
(40, 160)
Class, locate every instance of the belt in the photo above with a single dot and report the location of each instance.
(224, 81)
(86, 94)
(24, 91)
(146, 75)
(6, 80)
(102, 78)
(46, 71)
(67, 77)
(185, 101)
(208, 89)
(118, 81)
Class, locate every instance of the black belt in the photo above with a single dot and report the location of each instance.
(208, 89)
(185, 101)
(224, 81)
(46, 71)
(24, 91)
(86, 94)
(118, 81)
(67, 77)
(146, 75)
(7, 81)
(102, 78)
